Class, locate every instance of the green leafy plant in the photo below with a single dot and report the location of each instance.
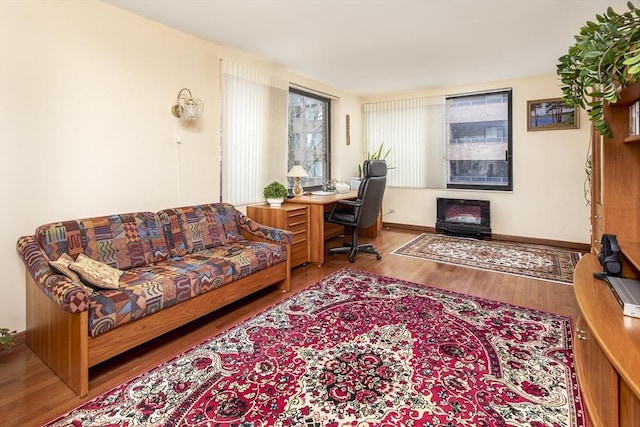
(6, 339)
(605, 57)
(376, 155)
(275, 190)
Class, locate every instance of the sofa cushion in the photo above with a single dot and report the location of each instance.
(120, 241)
(193, 228)
(61, 265)
(95, 273)
(246, 256)
(150, 288)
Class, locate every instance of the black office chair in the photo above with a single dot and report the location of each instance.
(363, 211)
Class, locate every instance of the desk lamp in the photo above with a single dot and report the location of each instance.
(297, 172)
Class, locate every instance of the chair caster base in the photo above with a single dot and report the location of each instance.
(347, 248)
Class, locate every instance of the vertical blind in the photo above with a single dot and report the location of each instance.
(414, 132)
(254, 133)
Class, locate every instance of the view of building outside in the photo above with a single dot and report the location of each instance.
(479, 141)
(309, 137)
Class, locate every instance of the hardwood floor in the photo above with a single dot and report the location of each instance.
(30, 394)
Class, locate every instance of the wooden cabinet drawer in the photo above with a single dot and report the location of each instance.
(297, 217)
(299, 253)
(299, 233)
(298, 224)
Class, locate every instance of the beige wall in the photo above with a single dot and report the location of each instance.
(85, 129)
(547, 200)
(85, 124)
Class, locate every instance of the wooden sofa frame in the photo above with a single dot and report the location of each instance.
(61, 339)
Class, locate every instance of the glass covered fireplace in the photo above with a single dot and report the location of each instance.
(460, 217)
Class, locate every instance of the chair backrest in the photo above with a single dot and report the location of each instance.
(371, 192)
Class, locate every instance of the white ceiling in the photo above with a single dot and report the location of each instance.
(370, 47)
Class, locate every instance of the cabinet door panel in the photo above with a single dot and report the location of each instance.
(629, 407)
(598, 380)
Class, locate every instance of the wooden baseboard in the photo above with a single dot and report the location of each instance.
(574, 246)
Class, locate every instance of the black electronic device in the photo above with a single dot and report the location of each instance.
(609, 257)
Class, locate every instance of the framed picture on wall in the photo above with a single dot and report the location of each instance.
(551, 114)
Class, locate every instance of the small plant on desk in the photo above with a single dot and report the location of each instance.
(275, 193)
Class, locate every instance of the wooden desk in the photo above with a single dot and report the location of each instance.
(319, 230)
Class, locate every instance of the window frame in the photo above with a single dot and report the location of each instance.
(508, 153)
(327, 121)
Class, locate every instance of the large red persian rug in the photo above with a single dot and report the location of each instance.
(358, 349)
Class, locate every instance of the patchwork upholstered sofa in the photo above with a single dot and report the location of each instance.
(97, 287)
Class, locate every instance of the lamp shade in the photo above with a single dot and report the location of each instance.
(297, 171)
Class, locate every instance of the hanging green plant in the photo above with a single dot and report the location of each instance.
(605, 57)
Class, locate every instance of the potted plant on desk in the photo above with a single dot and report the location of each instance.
(275, 193)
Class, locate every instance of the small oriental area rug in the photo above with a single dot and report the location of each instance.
(357, 349)
(537, 262)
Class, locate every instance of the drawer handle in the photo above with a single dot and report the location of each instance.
(597, 217)
(580, 334)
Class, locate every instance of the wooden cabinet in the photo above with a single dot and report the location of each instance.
(616, 179)
(607, 351)
(290, 217)
(607, 343)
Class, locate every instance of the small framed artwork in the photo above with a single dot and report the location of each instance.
(551, 114)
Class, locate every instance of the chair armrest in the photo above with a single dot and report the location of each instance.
(70, 296)
(256, 229)
(351, 203)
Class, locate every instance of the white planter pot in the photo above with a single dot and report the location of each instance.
(275, 203)
(355, 183)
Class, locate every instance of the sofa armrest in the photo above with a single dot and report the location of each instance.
(70, 296)
(253, 228)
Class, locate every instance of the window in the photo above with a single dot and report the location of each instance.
(479, 146)
(309, 141)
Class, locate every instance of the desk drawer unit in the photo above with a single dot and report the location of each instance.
(293, 218)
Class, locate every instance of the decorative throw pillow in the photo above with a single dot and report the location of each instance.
(95, 273)
(61, 265)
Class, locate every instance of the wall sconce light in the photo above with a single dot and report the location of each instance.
(298, 173)
(187, 107)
